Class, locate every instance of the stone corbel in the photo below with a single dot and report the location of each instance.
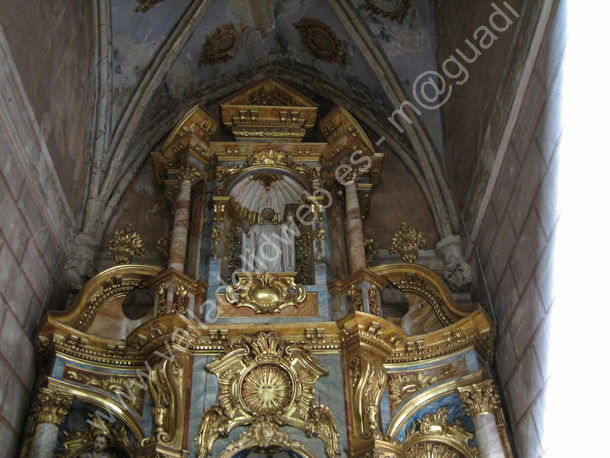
(457, 272)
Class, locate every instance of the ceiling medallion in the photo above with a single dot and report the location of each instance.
(266, 292)
(320, 41)
(261, 378)
(393, 10)
(145, 5)
(221, 45)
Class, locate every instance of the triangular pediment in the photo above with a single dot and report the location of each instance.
(269, 92)
(267, 110)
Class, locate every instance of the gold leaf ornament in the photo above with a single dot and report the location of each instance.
(407, 242)
(125, 244)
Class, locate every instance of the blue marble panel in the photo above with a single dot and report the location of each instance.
(330, 392)
(386, 418)
(203, 390)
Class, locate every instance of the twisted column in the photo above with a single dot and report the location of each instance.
(50, 408)
(177, 252)
(481, 401)
(355, 235)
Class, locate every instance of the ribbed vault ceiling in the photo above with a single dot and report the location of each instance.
(151, 72)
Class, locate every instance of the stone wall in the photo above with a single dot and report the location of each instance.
(52, 44)
(516, 241)
(42, 124)
(466, 113)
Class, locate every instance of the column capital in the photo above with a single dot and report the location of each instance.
(478, 398)
(51, 406)
(189, 173)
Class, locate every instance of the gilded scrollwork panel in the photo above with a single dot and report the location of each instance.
(262, 376)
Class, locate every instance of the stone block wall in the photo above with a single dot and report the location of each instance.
(516, 244)
(36, 213)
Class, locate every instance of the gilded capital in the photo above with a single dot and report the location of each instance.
(189, 173)
(51, 406)
(480, 398)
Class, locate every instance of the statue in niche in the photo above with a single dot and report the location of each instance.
(269, 246)
(100, 446)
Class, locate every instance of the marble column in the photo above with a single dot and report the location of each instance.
(177, 251)
(355, 235)
(481, 401)
(339, 252)
(50, 408)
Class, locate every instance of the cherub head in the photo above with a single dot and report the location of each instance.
(100, 442)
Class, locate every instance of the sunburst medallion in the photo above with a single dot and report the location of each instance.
(266, 390)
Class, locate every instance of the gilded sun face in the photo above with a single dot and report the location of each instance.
(266, 390)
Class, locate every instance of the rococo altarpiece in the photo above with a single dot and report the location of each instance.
(221, 355)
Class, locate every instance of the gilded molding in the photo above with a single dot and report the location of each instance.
(406, 242)
(416, 279)
(125, 244)
(264, 436)
(266, 292)
(365, 275)
(113, 384)
(51, 406)
(480, 398)
(103, 401)
(375, 333)
(111, 283)
(428, 397)
(263, 377)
